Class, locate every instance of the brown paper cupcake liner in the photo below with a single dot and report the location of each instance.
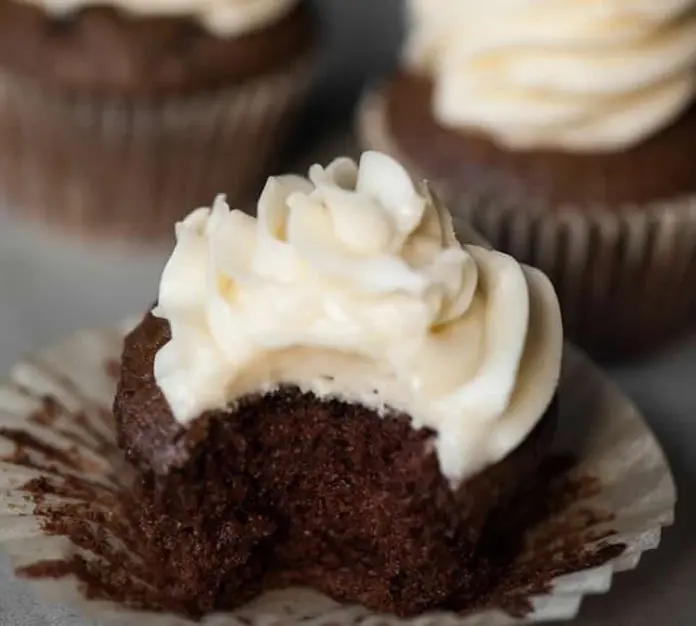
(131, 169)
(64, 524)
(626, 278)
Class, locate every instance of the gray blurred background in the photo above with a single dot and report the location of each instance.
(51, 287)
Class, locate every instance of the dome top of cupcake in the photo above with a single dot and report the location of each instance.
(227, 18)
(568, 74)
(351, 284)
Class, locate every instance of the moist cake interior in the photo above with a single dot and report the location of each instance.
(288, 490)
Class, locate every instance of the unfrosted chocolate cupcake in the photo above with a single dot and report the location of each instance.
(564, 133)
(337, 395)
(117, 117)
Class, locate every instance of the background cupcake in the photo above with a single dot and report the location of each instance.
(120, 116)
(564, 130)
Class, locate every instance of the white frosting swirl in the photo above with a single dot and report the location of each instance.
(226, 18)
(571, 74)
(352, 285)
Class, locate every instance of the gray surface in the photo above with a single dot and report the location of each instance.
(52, 287)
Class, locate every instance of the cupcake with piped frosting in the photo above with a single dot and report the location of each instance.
(563, 129)
(337, 394)
(116, 117)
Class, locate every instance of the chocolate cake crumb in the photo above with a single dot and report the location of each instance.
(112, 367)
(47, 414)
(47, 569)
(555, 538)
(135, 555)
(98, 50)
(26, 442)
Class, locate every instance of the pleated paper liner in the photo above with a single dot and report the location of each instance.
(129, 169)
(626, 278)
(64, 527)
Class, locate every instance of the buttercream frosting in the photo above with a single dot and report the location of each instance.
(226, 18)
(351, 284)
(578, 75)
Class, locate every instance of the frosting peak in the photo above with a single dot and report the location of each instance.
(351, 284)
(568, 74)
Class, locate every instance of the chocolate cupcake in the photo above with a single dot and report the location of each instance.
(563, 132)
(336, 394)
(117, 117)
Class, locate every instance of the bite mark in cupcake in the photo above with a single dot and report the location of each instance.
(351, 285)
(340, 391)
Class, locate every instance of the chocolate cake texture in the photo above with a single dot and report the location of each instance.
(104, 51)
(285, 489)
(115, 119)
(521, 553)
(337, 394)
(467, 159)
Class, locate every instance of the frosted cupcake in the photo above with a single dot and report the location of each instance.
(339, 395)
(563, 129)
(117, 117)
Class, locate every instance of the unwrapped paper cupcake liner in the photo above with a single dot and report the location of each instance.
(626, 277)
(130, 169)
(56, 429)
